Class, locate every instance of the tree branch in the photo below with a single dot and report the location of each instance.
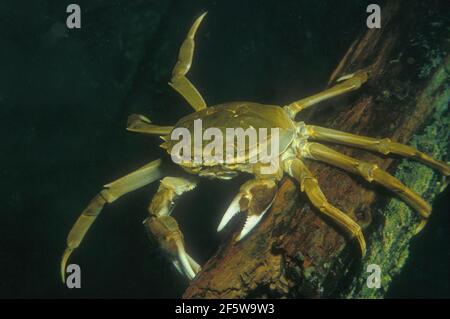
(297, 252)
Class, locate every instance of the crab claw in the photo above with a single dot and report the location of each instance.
(255, 198)
(232, 211)
(188, 265)
(251, 222)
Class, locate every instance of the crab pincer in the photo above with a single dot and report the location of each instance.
(255, 198)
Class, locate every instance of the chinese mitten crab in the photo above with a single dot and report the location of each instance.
(296, 141)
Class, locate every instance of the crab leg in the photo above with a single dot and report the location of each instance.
(141, 124)
(349, 83)
(308, 184)
(255, 197)
(164, 228)
(383, 146)
(370, 172)
(112, 191)
(179, 80)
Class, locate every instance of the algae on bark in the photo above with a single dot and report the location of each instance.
(389, 244)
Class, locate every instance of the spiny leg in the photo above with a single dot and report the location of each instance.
(383, 146)
(179, 80)
(308, 184)
(112, 191)
(255, 197)
(164, 228)
(370, 172)
(349, 83)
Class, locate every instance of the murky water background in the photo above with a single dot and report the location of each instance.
(64, 99)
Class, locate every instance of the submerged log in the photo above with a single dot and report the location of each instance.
(297, 252)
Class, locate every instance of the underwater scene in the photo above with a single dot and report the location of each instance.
(210, 149)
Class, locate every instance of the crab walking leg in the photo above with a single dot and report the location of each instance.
(179, 80)
(370, 172)
(384, 146)
(255, 197)
(141, 124)
(112, 191)
(349, 83)
(308, 184)
(164, 228)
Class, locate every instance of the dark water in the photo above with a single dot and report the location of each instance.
(64, 98)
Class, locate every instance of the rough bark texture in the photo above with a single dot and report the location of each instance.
(296, 252)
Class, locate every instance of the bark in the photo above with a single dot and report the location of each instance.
(295, 251)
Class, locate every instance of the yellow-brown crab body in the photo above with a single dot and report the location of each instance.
(262, 119)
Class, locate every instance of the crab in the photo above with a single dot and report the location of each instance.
(297, 141)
